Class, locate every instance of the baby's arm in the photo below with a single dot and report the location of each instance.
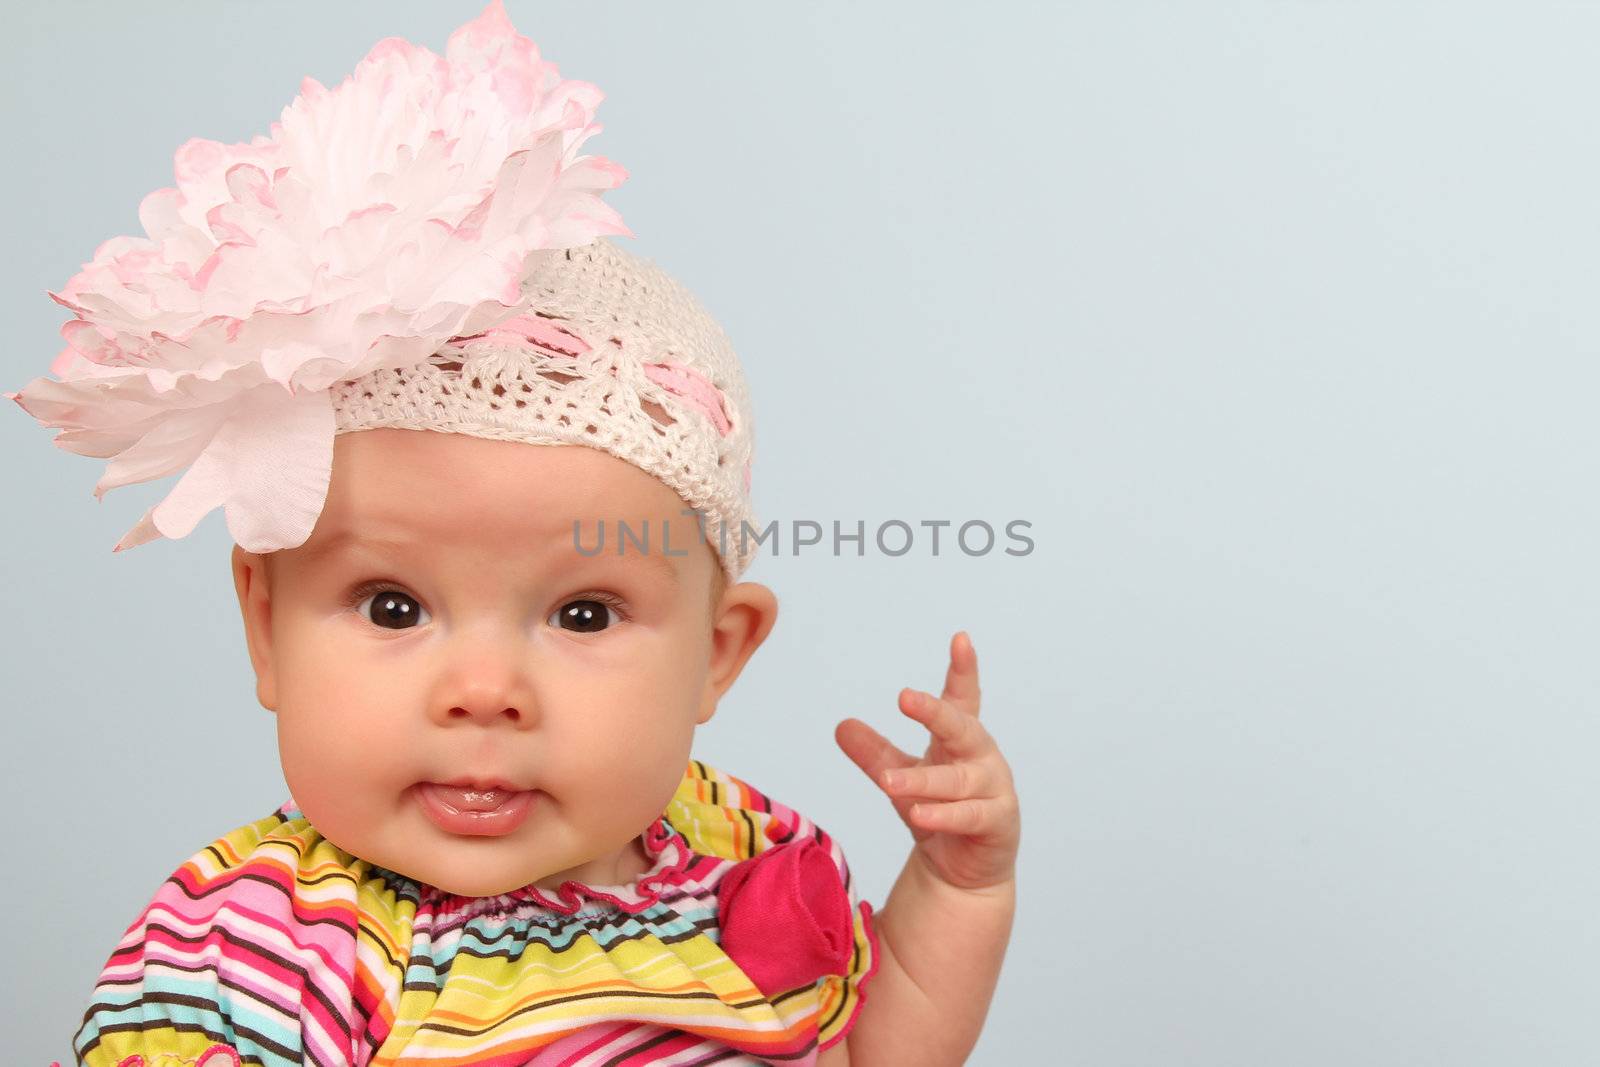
(940, 952)
(944, 928)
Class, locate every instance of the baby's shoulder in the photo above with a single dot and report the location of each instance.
(283, 848)
(722, 814)
(272, 904)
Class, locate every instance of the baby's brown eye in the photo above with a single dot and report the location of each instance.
(583, 616)
(393, 610)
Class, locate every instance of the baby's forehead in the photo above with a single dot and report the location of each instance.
(404, 494)
(666, 552)
(510, 488)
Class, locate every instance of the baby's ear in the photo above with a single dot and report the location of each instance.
(743, 619)
(250, 582)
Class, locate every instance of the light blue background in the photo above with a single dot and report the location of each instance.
(1279, 323)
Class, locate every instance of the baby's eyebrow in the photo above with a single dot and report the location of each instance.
(657, 560)
(343, 539)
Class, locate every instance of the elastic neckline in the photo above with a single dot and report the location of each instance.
(662, 841)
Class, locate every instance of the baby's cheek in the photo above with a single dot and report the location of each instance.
(333, 720)
(608, 729)
(345, 679)
(344, 769)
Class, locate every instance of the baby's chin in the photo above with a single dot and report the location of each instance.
(473, 867)
(412, 847)
(478, 883)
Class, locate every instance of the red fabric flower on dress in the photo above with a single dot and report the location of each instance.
(786, 918)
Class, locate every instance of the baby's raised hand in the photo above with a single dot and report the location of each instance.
(958, 800)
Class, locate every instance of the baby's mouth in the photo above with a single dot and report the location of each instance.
(470, 798)
(476, 808)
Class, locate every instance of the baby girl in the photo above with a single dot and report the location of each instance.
(367, 338)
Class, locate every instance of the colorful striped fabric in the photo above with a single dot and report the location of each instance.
(280, 948)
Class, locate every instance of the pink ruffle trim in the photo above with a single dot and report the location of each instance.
(218, 1055)
(661, 840)
(861, 983)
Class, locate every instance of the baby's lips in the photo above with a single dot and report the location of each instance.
(785, 917)
(471, 798)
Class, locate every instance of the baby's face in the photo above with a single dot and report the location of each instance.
(440, 624)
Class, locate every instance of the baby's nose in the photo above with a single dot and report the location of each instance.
(487, 685)
(476, 710)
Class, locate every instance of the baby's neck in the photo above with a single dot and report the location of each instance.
(631, 861)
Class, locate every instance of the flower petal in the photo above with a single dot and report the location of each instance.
(268, 466)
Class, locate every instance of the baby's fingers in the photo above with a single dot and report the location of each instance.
(870, 750)
(975, 817)
(959, 732)
(939, 781)
(961, 679)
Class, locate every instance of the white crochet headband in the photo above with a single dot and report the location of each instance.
(420, 247)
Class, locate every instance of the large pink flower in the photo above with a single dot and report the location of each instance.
(379, 219)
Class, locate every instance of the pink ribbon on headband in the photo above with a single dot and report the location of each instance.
(681, 381)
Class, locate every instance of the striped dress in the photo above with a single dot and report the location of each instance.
(272, 946)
